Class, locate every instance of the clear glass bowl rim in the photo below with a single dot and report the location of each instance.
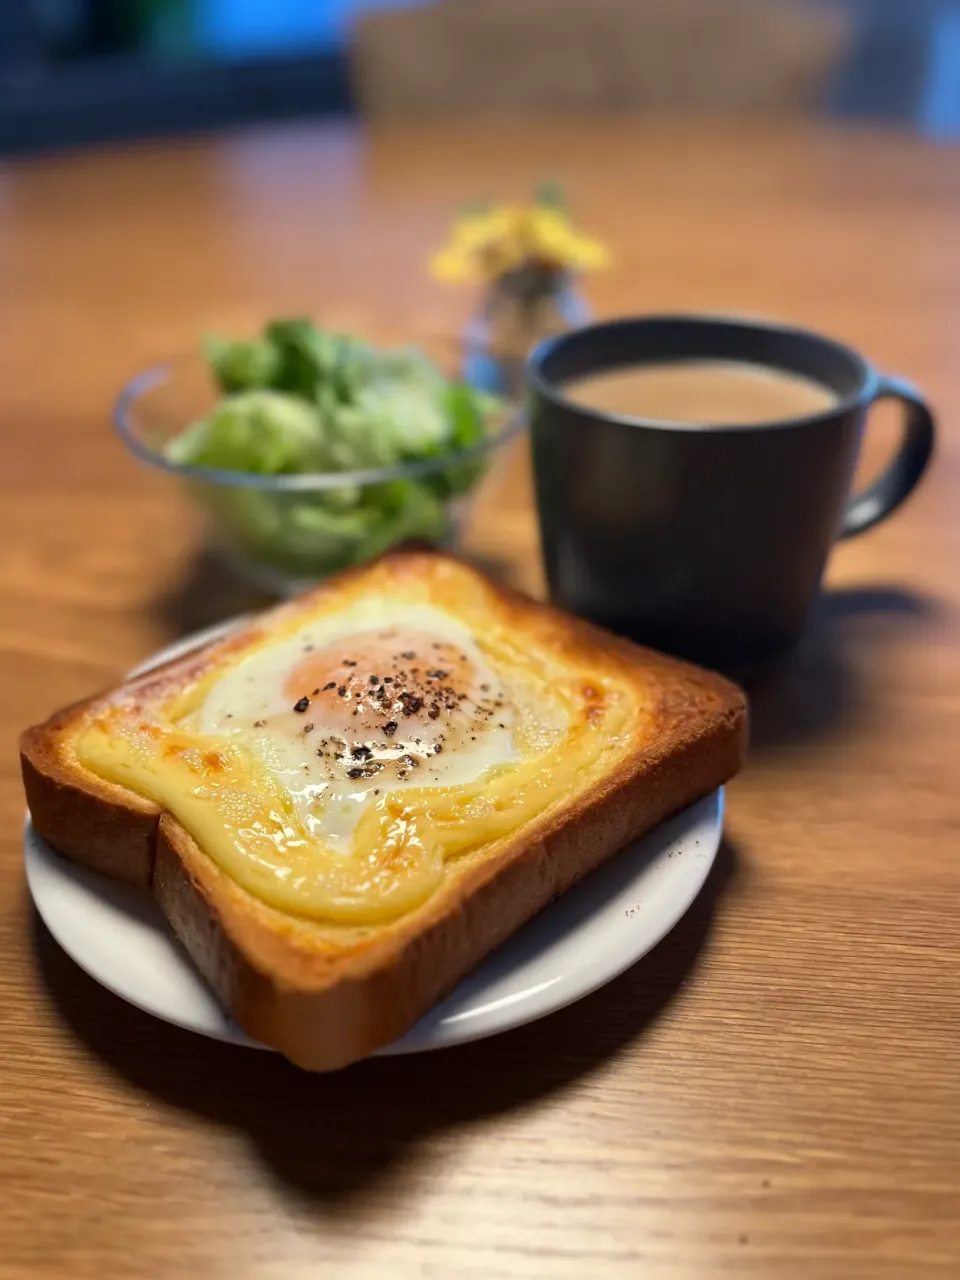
(147, 379)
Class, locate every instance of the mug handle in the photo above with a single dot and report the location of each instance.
(866, 509)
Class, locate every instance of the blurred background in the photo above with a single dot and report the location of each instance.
(84, 71)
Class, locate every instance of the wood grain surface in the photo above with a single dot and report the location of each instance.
(775, 1090)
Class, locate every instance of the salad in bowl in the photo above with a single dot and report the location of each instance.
(310, 450)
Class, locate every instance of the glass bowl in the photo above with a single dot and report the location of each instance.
(284, 532)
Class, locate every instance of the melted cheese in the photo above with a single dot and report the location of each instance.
(248, 818)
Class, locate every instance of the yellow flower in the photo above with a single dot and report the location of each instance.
(504, 238)
(483, 244)
(556, 240)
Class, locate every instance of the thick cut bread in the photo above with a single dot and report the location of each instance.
(327, 993)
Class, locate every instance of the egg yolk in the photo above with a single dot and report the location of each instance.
(395, 686)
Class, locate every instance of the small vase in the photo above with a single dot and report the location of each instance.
(509, 325)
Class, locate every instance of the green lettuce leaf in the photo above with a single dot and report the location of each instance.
(264, 432)
(240, 366)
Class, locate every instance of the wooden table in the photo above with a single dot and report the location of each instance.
(775, 1090)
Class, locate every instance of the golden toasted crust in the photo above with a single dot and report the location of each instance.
(327, 996)
(102, 826)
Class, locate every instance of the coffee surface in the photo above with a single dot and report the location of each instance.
(702, 392)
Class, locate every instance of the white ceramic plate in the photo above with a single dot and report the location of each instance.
(592, 934)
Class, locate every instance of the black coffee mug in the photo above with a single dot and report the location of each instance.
(708, 541)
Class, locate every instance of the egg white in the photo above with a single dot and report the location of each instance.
(248, 705)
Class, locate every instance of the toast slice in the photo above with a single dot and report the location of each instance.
(634, 738)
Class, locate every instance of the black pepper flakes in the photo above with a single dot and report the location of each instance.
(408, 655)
(301, 704)
(367, 770)
(332, 685)
(433, 711)
(437, 674)
(348, 662)
(390, 728)
(342, 691)
(308, 728)
(374, 679)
